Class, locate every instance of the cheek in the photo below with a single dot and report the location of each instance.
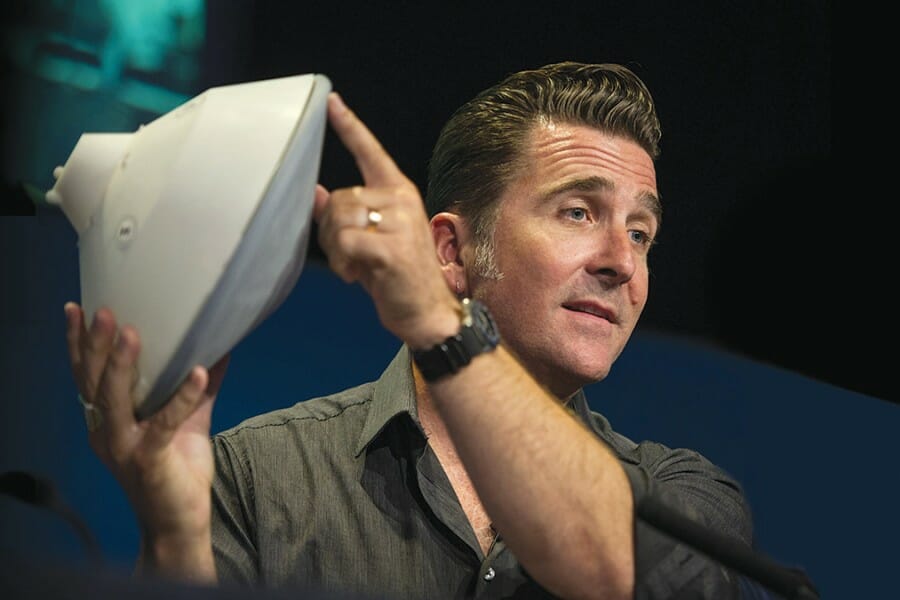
(640, 286)
(532, 255)
(536, 278)
(520, 297)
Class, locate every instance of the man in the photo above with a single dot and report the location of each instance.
(477, 471)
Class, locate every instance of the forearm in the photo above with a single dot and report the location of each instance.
(555, 492)
(187, 559)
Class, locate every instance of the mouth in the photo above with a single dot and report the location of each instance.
(590, 308)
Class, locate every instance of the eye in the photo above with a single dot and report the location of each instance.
(576, 213)
(641, 237)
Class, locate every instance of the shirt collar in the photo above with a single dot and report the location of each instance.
(394, 393)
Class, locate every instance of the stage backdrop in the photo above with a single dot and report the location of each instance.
(817, 461)
(748, 259)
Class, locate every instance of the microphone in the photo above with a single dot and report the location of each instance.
(790, 583)
(40, 492)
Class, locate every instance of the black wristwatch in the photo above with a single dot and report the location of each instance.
(477, 334)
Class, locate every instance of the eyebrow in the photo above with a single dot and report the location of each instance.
(594, 183)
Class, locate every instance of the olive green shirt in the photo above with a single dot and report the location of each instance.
(344, 493)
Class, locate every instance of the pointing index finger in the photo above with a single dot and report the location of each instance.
(375, 164)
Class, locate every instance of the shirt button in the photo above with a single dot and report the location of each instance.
(490, 574)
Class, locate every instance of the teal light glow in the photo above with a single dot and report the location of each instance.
(143, 52)
(90, 65)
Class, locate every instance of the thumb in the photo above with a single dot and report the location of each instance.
(180, 408)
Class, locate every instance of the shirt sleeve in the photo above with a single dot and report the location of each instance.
(233, 516)
(690, 484)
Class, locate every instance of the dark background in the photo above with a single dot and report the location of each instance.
(759, 253)
(765, 342)
(764, 251)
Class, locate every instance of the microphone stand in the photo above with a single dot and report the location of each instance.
(792, 584)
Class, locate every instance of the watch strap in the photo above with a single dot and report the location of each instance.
(477, 335)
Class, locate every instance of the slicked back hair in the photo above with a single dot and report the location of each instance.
(482, 147)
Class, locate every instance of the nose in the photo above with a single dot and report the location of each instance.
(615, 257)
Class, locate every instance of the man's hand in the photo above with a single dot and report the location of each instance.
(164, 464)
(395, 259)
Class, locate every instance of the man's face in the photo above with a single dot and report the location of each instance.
(571, 240)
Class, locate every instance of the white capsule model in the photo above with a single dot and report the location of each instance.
(195, 227)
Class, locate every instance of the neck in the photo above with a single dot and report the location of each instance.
(431, 421)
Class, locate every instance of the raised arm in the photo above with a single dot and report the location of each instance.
(164, 464)
(555, 492)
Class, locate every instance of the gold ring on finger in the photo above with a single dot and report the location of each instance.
(373, 219)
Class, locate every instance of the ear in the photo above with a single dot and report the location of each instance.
(450, 235)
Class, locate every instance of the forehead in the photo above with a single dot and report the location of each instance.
(555, 152)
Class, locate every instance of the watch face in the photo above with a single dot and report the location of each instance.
(483, 323)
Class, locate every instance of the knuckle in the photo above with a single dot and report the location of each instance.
(343, 239)
(91, 343)
(97, 342)
(121, 359)
(408, 194)
(166, 419)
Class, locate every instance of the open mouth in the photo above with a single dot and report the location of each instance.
(590, 309)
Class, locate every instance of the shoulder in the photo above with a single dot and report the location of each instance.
(686, 477)
(658, 458)
(310, 419)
